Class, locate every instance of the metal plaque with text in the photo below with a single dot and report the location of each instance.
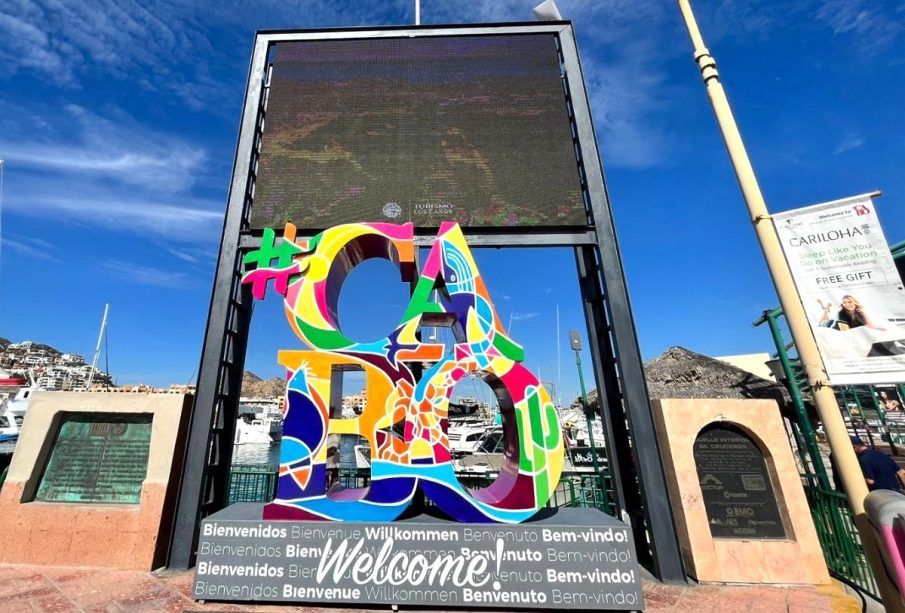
(738, 492)
(97, 457)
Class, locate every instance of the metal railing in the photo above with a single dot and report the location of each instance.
(257, 483)
(840, 540)
(252, 483)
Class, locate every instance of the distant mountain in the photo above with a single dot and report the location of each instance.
(4, 342)
(254, 386)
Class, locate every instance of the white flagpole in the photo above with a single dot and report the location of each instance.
(417, 12)
(558, 362)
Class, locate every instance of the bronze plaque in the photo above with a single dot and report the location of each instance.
(97, 458)
(738, 492)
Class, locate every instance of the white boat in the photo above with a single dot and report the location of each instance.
(260, 421)
(363, 456)
(15, 394)
(487, 454)
(463, 438)
(575, 428)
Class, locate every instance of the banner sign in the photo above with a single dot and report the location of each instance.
(850, 288)
(573, 559)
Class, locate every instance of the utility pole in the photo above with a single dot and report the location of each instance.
(823, 395)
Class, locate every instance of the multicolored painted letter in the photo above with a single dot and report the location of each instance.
(404, 418)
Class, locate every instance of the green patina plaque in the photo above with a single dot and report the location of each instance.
(97, 457)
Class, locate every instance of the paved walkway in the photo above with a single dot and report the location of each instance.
(57, 589)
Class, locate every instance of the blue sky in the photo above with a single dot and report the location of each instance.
(118, 122)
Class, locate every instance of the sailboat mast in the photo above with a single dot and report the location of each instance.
(1, 211)
(97, 350)
(558, 361)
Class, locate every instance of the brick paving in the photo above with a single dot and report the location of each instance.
(59, 589)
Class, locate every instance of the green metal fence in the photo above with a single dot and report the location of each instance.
(257, 483)
(252, 483)
(840, 539)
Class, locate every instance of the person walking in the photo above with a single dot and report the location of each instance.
(880, 471)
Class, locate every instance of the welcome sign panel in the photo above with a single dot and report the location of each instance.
(574, 559)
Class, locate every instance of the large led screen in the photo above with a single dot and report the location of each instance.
(425, 129)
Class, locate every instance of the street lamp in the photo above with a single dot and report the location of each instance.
(575, 342)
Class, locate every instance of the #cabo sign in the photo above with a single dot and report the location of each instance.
(285, 551)
(448, 292)
(850, 289)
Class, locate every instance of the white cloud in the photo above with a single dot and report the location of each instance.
(875, 25)
(524, 316)
(108, 171)
(195, 255)
(117, 148)
(160, 45)
(180, 220)
(33, 248)
(30, 48)
(143, 275)
(850, 142)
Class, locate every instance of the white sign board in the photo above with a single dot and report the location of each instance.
(850, 289)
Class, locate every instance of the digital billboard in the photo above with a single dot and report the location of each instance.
(473, 129)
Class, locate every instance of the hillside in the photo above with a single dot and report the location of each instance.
(254, 386)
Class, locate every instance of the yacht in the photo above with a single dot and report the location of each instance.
(15, 394)
(260, 421)
(486, 456)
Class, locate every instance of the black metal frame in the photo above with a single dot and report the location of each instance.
(637, 470)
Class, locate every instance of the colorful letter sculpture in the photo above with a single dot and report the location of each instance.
(404, 418)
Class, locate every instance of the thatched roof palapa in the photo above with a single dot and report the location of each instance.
(680, 373)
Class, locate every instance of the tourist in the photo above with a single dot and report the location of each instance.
(880, 471)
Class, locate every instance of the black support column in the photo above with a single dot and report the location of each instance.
(204, 486)
(638, 454)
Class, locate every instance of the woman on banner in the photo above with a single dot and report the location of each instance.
(849, 317)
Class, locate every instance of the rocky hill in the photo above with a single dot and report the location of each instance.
(254, 386)
(49, 350)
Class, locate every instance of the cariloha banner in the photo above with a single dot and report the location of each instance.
(850, 288)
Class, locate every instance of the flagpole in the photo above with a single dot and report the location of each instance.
(821, 391)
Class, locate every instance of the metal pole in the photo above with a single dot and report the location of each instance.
(825, 400)
(417, 12)
(803, 421)
(588, 415)
(97, 350)
(558, 401)
(1, 218)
